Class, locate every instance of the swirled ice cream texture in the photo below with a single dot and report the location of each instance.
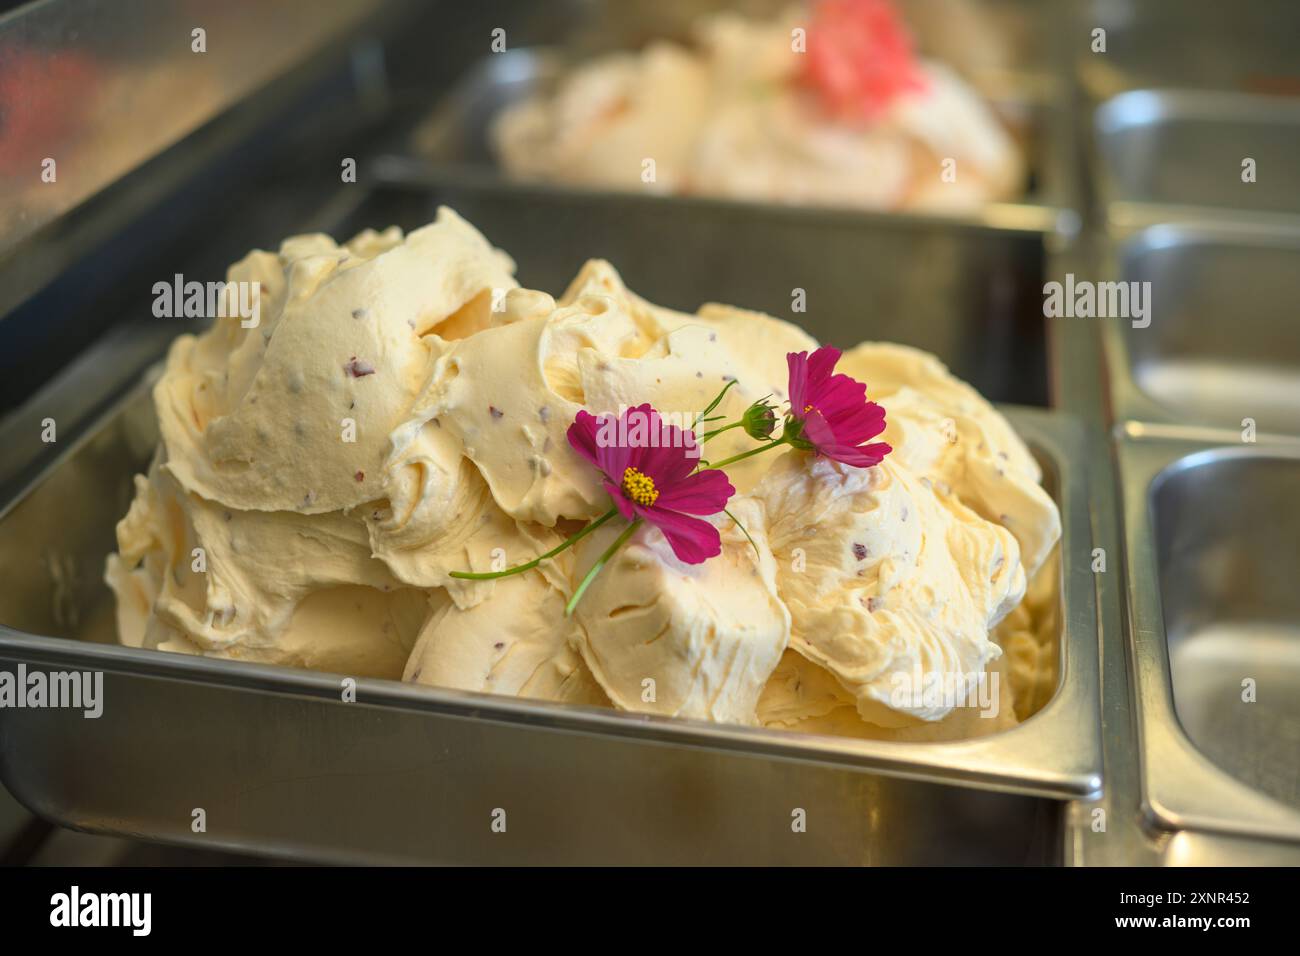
(685, 640)
(401, 413)
(945, 431)
(339, 353)
(885, 576)
(273, 442)
(729, 117)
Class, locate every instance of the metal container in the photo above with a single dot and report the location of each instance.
(1199, 44)
(407, 773)
(970, 295)
(1212, 542)
(453, 141)
(1178, 154)
(103, 77)
(1221, 348)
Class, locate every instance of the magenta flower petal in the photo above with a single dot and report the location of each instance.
(855, 425)
(797, 385)
(596, 438)
(666, 465)
(582, 436)
(693, 540)
(830, 412)
(649, 468)
(622, 502)
(817, 430)
(858, 456)
(821, 364)
(840, 395)
(703, 493)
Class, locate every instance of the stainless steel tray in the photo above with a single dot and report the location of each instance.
(1221, 346)
(1178, 154)
(1212, 542)
(453, 141)
(970, 295)
(410, 773)
(1194, 44)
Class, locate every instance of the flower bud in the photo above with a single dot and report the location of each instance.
(759, 420)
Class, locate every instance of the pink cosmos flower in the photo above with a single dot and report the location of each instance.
(829, 413)
(860, 57)
(649, 469)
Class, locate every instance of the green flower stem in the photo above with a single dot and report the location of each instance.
(752, 543)
(521, 568)
(600, 563)
(716, 402)
(748, 454)
(724, 428)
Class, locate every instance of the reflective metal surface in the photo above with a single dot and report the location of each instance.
(1184, 149)
(1211, 779)
(1231, 614)
(100, 86)
(1221, 349)
(1196, 44)
(1211, 546)
(285, 773)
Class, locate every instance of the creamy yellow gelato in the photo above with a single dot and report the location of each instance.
(729, 117)
(401, 412)
(685, 640)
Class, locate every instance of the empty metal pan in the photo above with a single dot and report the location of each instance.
(1221, 348)
(1213, 542)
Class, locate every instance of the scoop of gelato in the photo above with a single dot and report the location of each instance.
(699, 640)
(603, 123)
(224, 579)
(944, 430)
(352, 630)
(806, 698)
(295, 414)
(1029, 641)
(220, 539)
(519, 643)
(886, 578)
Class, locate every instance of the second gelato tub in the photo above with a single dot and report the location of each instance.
(456, 140)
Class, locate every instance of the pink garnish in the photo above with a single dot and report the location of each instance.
(860, 58)
(650, 474)
(357, 368)
(830, 414)
(360, 476)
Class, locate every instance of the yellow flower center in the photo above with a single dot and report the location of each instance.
(807, 408)
(640, 487)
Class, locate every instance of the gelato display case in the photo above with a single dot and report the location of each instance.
(349, 584)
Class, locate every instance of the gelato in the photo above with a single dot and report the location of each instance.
(824, 106)
(352, 485)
